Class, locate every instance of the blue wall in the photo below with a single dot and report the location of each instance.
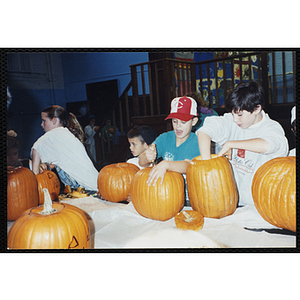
(82, 68)
(38, 80)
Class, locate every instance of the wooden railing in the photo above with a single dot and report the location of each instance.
(155, 83)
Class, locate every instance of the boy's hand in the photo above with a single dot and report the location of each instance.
(226, 151)
(157, 172)
(151, 153)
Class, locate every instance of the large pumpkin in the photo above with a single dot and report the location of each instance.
(211, 186)
(160, 202)
(274, 192)
(22, 191)
(57, 226)
(50, 181)
(114, 181)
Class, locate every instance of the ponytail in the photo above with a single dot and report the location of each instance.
(75, 127)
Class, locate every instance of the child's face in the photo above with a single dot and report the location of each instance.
(244, 119)
(12, 156)
(136, 146)
(183, 129)
(47, 123)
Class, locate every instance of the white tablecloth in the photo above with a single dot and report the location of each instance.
(119, 226)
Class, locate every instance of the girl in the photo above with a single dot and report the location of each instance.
(60, 147)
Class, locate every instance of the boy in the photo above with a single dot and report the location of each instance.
(139, 138)
(247, 134)
(176, 147)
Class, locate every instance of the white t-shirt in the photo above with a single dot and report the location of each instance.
(60, 147)
(292, 152)
(245, 163)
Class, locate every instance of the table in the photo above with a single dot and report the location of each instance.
(120, 226)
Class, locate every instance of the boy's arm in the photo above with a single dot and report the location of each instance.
(160, 170)
(254, 145)
(204, 142)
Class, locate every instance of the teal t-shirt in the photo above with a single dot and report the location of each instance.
(167, 149)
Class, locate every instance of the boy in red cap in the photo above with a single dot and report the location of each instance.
(176, 147)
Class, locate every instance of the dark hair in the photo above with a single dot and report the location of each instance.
(245, 96)
(56, 111)
(12, 143)
(145, 134)
(199, 99)
(66, 119)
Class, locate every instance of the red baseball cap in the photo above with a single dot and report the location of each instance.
(183, 108)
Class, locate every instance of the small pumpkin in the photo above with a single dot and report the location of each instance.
(274, 192)
(189, 220)
(160, 202)
(22, 191)
(50, 181)
(52, 226)
(211, 186)
(114, 181)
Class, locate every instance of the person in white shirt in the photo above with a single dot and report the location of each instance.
(89, 133)
(247, 135)
(61, 148)
(293, 124)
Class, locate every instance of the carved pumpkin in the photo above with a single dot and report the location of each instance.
(160, 202)
(211, 186)
(274, 192)
(57, 226)
(50, 181)
(22, 191)
(189, 220)
(114, 181)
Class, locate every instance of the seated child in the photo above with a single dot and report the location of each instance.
(176, 147)
(139, 138)
(246, 134)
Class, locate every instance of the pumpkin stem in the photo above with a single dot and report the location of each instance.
(48, 209)
(188, 218)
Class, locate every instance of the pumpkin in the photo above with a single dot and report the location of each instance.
(211, 186)
(52, 226)
(160, 202)
(189, 220)
(22, 191)
(50, 181)
(114, 181)
(274, 192)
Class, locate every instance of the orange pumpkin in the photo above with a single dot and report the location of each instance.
(160, 202)
(114, 181)
(50, 181)
(22, 191)
(57, 226)
(274, 192)
(211, 186)
(189, 220)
